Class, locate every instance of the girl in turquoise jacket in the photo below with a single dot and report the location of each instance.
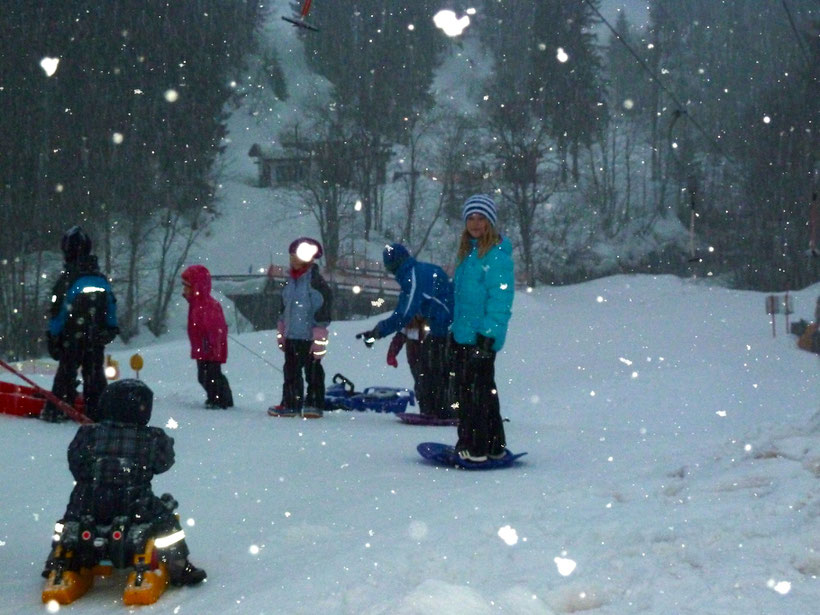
(484, 290)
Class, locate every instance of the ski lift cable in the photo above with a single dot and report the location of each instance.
(676, 115)
(814, 216)
(800, 42)
(680, 106)
(638, 58)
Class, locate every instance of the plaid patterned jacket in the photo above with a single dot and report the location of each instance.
(113, 464)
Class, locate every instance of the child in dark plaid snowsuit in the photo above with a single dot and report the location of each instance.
(113, 463)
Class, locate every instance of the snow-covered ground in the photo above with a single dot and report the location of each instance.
(673, 451)
(673, 466)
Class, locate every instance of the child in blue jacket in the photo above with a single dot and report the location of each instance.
(302, 333)
(484, 288)
(426, 297)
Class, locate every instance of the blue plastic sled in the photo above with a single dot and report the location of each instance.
(444, 454)
(341, 395)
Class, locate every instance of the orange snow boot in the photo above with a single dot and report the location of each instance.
(149, 579)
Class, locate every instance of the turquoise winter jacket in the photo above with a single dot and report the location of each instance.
(484, 289)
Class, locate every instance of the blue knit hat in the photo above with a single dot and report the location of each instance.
(393, 256)
(480, 204)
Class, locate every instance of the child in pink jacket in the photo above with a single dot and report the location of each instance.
(208, 333)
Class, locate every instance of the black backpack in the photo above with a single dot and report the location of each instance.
(86, 318)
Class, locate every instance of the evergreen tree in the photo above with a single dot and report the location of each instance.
(380, 59)
(566, 85)
(628, 82)
(728, 74)
(129, 124)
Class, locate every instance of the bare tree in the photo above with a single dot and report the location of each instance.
(325, 188)
(177, 236)
(521, 143)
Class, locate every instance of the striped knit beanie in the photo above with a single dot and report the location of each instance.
(480, 204)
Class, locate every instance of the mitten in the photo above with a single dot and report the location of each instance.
(280, 335)
(483, 348)
(319, 346)
(396, 345)
(107, 335)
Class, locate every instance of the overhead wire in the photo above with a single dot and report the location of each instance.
(681, 108)
(800, 42)
(677, 113)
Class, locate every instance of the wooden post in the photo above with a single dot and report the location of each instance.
(788, 308)
(772, 308)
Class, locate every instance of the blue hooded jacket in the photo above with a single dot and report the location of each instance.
(484, 290)
(426, 291)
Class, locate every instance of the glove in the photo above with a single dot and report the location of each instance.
(55, 347)
(396, 345)
(280, 335)
(483, 348)
(319, 346)
(107, 335)
(369, 337)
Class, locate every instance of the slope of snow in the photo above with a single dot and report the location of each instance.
(674, 454)
(673, 450)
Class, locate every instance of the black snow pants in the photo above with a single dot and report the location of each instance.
(480, 426)
(216, 385)
(429, 362)
(89, 359)
(299, 360)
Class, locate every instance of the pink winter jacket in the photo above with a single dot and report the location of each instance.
(207, 328)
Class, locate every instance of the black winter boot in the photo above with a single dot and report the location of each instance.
(52, 414)
(183, 572)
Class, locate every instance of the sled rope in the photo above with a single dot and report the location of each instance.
(233, 339)
(68, 410)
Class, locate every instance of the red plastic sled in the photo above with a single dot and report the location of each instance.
(19, 400)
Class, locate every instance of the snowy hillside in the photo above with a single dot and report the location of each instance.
(257, 224)
(674, 454)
